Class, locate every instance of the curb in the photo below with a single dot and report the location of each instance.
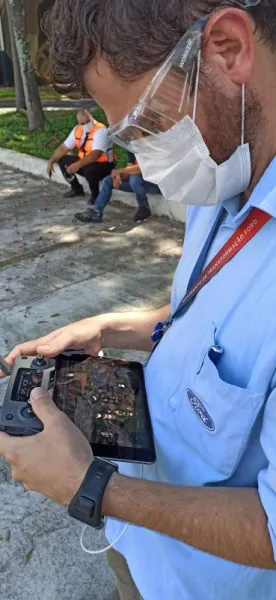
(73, 104)
(36, 166)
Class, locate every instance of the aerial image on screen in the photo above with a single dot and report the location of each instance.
(104, 398)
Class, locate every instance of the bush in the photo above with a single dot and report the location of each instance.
(14, 133)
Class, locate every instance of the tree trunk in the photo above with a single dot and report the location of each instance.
(33, 102)
(18, 83)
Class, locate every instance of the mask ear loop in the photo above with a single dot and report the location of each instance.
(197, 84)
(243, 116)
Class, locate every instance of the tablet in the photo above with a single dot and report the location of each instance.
(106, 399)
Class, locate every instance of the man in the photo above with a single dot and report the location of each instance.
(94, 160)
(203, 521)
(128, 179)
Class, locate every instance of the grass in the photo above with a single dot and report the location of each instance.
(14, 133)
(46, 93)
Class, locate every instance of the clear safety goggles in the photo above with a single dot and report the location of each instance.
(172, 94)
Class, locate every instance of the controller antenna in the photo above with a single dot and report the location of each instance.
(5, 367)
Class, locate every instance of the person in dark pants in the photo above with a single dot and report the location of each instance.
(94, 160)
(128, 179)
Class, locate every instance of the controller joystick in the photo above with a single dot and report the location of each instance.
(39, 362)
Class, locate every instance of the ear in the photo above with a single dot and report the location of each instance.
(228, 44)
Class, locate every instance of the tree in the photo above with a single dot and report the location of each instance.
(33, 103)
(19, 90)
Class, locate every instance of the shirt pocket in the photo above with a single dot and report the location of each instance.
(214, 417)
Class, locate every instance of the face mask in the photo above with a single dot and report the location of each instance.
(179, 162)
(87, 127)
(187, 174)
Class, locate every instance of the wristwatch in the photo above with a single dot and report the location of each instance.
(86, 506)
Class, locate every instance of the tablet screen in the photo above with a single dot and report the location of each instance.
(106, 400)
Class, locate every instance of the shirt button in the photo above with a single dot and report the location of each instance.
(174, 403)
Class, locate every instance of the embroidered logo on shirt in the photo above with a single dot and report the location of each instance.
(200, 411)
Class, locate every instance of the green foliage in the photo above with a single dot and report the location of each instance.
(46, 93)
(14, 133)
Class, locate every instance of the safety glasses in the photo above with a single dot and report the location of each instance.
(172, 94)
(169, 96)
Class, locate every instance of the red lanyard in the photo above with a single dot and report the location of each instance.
(255, 221)
(249, 228)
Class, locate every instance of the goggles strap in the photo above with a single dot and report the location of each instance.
(197, 84)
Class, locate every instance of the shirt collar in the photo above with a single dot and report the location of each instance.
(263, 196)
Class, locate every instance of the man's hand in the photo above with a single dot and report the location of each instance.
(117, 182)
(119, 174)
(83, 335)
(74, 168)
(128, 331)
(50, 168)
(54, 462)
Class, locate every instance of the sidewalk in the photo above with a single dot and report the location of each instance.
(54, 271)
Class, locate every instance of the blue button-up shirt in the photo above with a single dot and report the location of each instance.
(214, 424)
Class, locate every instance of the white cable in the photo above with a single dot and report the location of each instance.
(243, 115)
(103, 550)
(197, 85)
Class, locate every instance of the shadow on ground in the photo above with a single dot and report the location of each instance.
(54, 271)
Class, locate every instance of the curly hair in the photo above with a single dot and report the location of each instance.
(133, 36)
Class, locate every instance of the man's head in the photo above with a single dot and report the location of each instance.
(114, 48)
(84, 116)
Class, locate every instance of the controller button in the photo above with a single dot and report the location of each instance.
(9, 417)
(27, 413)
(37, 376)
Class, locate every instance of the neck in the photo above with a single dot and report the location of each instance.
(263, 124)
(260, 161)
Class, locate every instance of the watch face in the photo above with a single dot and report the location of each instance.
(106, 400)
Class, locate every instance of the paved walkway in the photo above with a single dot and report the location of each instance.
(53, 271)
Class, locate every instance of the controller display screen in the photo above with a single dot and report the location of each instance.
(26, 380)
(106, 399)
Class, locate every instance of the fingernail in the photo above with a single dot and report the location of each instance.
(38, 393)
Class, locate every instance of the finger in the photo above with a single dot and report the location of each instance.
(31, 348)
(10, 360)
(9, 446)
(42, 405)
(58, 344)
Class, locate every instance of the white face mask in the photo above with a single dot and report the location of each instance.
(87, 127)
(179, 162)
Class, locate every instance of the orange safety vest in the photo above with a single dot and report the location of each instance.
(87, 147)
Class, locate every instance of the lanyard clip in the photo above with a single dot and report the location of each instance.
(160, 330)
(158, 333)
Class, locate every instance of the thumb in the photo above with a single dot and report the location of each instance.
(42, 405)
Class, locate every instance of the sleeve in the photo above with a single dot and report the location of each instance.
(101, 140)
(267, 477)
(131, 159)
(70, 141)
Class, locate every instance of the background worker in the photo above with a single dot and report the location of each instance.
(94, 160)
(127, 179)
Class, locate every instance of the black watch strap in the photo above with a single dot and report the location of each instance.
(86, 506)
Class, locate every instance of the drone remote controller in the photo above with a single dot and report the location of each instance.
(17, 417)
